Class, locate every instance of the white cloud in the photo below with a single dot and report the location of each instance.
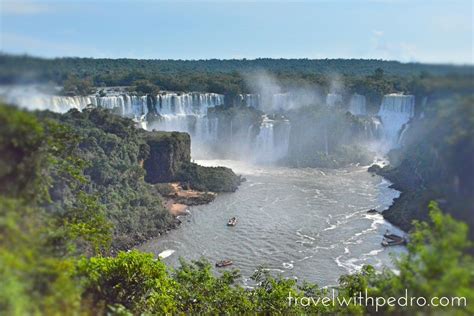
(20, 7)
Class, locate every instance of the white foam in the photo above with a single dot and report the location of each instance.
(288, 265)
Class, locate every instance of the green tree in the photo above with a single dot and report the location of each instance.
(437, 264)
(77, 86)
(133, 280)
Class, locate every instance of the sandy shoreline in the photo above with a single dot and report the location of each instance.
(176, 209)
(178, 200)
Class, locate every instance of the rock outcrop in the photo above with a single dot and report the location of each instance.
(169, 160)
(168, 152)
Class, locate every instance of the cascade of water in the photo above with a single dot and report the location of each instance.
(206, 130)
(272, 141)
(402, 133)
(280, 101)
(333, 99)
(184, 112)
(395, 111)
(187, 112)
(357, 105)
(252, 100)
(265, 141)
(374, 128)
(283, 140)
(128, 105)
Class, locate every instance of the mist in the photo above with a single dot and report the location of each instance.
(295, 123)
(280, 97)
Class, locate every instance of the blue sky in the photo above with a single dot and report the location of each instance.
(405, 30)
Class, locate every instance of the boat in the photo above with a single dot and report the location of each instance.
(389, 243)
(390, 239)
(393, 237)
(223, 263)
(232, 222)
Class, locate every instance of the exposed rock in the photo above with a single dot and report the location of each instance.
(374, 168)
(168, 151)
(178, 199)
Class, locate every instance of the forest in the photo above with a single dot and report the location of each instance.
(435, 162)
(80, 188)
(372, 78)
(57, 260)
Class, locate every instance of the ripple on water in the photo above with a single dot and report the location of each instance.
(288, 265)
(305, 223)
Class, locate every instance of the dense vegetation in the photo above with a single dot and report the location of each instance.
(55, 69)
(112, 150)
(73, 192)
(216, 179)
(54, 258)
(435, 162)
(372, 78)
(106, 155)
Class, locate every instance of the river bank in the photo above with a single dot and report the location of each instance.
(178, 200)
(305, 223)
(410, 204)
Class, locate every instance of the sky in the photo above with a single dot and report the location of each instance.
(430, 31)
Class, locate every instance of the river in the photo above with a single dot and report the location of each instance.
(310, 224)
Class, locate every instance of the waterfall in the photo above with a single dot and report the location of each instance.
(187, 112)
(357, 105)
(265, 141)
(251, 100)
(402, 133)
(172, 111)
(373, 128)
(127, 105)
(206, 130)
(333, 99)
(280, 101)
(272, 141)
(395, 111)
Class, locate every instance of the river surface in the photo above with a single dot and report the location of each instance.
(310, 224)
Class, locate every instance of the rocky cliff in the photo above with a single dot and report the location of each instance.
(168, 152)
(169, 159)
(434, 163)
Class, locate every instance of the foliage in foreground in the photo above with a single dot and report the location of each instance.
(57, 263)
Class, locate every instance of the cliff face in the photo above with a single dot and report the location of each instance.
(169, 160)
(434, 163)
(168, 152)
(414, 197)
